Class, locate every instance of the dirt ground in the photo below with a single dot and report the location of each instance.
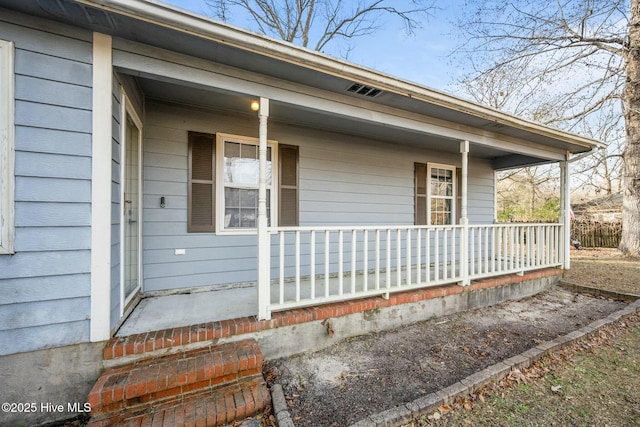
(594, 382)
(364, 375)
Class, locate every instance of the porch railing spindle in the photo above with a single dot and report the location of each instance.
(436, 248)
(419, 256)
(281, 284)
(327, 260)
(445, 255)
(297, 266)
(472, 257)
(365, 260)
(427, 256)
(398, 258)
(388, 254)
(354, 247)
(312, 263)
(340, 262)
(377, 273)
(409, 257)
(453, 253)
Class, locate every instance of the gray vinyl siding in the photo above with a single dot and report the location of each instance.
(344, 180)
(116, 156)
(480, 192)
(210, 259)
(45, 286)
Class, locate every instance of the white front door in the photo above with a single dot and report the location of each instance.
(131, 212)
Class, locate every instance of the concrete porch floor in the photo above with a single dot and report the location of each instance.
(170, 311)
(201, 306)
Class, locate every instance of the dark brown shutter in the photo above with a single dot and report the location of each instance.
(201, 197)
(288, 185)
(420, 178)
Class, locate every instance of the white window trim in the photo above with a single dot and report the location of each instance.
(7, 150)
(221, 138)
(453, 197)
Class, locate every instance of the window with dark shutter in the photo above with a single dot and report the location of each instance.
(420, 178)
(288, 188)
(201, 204)
(435, 194)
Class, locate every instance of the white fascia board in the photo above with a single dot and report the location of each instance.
(170, 66)
(187, 22)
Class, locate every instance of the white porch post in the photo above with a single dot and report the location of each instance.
(565, 209)
(464, 220)
(100, 324)
(264, 257)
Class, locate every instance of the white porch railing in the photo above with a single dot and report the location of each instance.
(316, 265)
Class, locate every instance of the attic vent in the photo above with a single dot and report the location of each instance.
(364, 90)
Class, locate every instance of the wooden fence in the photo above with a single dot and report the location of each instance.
(597, 234)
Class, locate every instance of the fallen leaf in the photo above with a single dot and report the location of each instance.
(467, 406)
(444, 408)
(556, 388)
(481, 397)
(518, 376)
(435, 416)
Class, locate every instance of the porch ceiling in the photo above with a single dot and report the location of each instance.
(158, 25)
(324, 120)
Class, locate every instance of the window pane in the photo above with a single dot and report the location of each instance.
(241, 208)
(441, 182)
(232, 197)
(232, 217)
(248, 217)
(441, 211)
(241, 164)
(249, 198)
(231, 149)
(249, 151)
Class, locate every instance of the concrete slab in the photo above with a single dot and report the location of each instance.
(170, 311)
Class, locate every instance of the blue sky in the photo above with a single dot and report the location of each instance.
(421, 58)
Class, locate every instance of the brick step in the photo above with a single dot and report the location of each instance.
(161, 378)
(140, 345)
(211, 407)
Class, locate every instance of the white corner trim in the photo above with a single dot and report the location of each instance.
(7, 152)
(101, 189)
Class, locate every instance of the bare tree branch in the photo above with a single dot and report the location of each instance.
(319, 22)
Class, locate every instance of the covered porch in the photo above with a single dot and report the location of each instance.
(393, 183)
(312, 264)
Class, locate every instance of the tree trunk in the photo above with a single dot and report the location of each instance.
(630, 243)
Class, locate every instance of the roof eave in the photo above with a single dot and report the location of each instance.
(184, 21)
